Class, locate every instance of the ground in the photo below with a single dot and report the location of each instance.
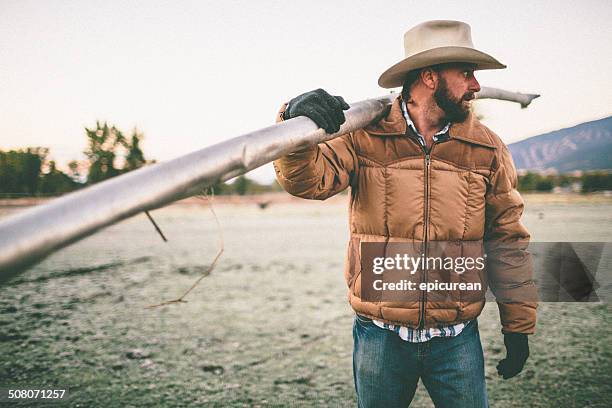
(271, 325)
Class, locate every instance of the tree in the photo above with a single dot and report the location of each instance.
(135, 156)
(20, 170)
(596, 182)
(110, 153)
(103, 142)
(528, 182)
(544, 185)
(56, 181)
(241, 185)
(221, 188)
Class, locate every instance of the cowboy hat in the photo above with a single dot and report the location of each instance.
(437, 42)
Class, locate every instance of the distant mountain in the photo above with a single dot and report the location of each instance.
(587, 146)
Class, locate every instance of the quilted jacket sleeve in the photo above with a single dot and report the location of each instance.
(318, 172)
(509, 265)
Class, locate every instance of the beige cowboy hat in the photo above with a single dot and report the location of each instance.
(436, 42)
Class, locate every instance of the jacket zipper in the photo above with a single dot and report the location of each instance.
(426, 225)
(426, 232)
(421, 323)
(423, 297)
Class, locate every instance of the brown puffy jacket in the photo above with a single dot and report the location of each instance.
(463, 191)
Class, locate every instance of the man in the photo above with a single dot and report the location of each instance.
(429, 173)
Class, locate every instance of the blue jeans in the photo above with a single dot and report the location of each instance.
(386, 369)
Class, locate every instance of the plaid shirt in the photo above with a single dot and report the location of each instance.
(422, 335)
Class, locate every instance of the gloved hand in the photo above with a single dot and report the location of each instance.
(322, 108)
(517, 351)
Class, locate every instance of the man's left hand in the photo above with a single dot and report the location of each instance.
(517, 352)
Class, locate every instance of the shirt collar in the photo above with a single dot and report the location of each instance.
(410, 124)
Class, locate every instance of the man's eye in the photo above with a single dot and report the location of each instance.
(466, 74)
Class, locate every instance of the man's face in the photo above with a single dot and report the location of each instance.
(456, 88)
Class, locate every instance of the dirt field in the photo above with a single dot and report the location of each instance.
(271, 325)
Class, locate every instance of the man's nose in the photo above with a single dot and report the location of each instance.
(474, 85)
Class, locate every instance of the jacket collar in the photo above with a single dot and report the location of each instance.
(394, 124)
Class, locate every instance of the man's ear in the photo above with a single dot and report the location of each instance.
(429, 77)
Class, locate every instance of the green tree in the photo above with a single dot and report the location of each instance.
(103, 143)
(544, 185)
(221, 188)
(56, 181)
(241, 185)
(135, 156)
(596, 182)
(110, 153)
(564, 180)
(20, 170)
(528, 182)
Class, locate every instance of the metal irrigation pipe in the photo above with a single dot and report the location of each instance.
(495, 93)
(28, 237)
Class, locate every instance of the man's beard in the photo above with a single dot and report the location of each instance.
(454, 110)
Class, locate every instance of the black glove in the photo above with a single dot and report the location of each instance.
(322, 108)
(517, 351)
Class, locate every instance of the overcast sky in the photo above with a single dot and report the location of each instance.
(191, 74)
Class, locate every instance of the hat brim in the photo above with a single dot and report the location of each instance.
(394, 76)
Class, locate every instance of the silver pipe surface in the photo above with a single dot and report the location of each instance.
(28, 237)
(494, 93)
